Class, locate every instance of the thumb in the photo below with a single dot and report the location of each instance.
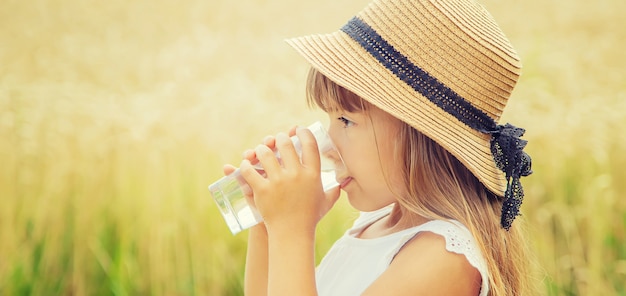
(228, 169)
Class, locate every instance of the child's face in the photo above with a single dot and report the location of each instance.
(366, 143)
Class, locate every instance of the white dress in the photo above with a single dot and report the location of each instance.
(353, 264)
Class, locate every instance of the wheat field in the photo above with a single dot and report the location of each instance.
(116, 115)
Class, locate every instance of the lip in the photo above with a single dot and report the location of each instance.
(344, 182)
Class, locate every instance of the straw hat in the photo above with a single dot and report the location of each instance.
(442, 66)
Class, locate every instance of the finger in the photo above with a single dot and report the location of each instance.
(287, 151)
(268, 160)
(292, 131)
(250, 175)
(270, 142)
(310, 152)
(228, 169)
(250, 155)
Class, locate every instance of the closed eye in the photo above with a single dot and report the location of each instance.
(346, 122)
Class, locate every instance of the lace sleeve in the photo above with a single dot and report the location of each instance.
(459, 240)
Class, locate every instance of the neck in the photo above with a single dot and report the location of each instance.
(400, 218)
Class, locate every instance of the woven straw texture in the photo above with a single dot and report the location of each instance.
(457, 42)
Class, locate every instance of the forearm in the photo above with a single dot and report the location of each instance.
(291, 263)
(255, 282)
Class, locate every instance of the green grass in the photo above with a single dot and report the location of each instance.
(115, 117)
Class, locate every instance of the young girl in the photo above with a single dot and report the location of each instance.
(413, 90)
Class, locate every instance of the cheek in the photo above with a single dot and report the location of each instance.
(391, 163)
(333, 134)
(339, 140)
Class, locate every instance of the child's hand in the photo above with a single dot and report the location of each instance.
(290, 195)
(250, 155)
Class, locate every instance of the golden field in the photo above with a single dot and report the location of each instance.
(115, 116)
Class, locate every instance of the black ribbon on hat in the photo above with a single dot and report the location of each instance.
(507, 150)
(506, 145)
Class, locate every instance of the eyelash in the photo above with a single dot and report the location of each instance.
(346, 122)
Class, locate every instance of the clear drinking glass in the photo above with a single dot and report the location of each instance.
(228, 191)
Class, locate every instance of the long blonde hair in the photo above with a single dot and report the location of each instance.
(438, 186)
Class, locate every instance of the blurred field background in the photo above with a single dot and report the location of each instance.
(116, 115)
